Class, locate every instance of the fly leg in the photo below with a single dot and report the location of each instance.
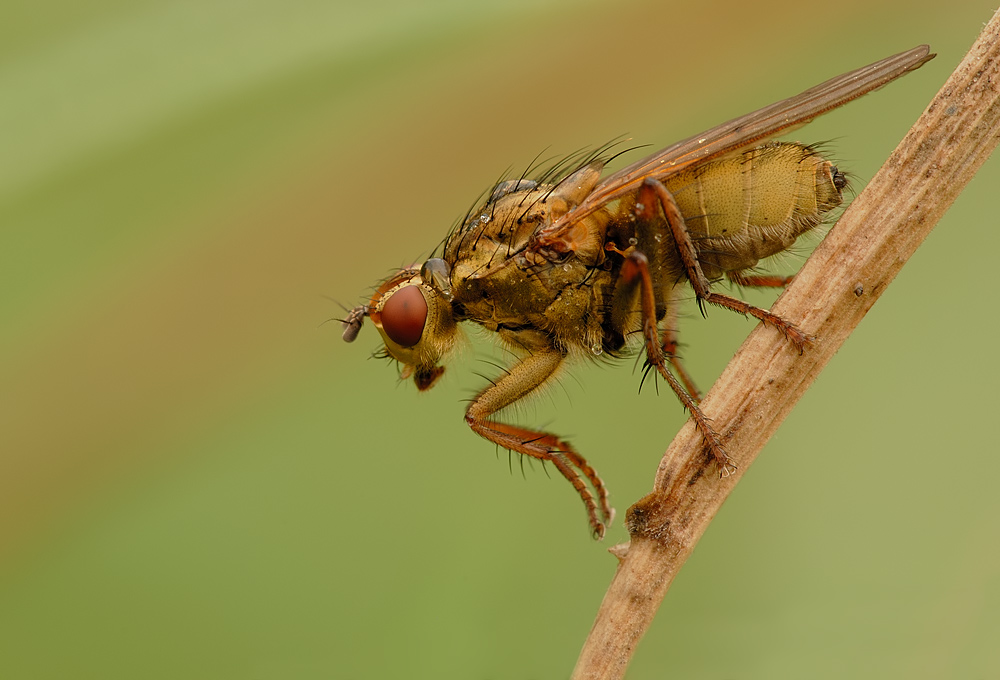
(651, 192)
(670, 345)
(759, 280)
(521, 380)
(635, 273)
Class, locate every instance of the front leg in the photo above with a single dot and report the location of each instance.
(521, 380)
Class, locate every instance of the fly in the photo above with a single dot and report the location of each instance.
(571, 264)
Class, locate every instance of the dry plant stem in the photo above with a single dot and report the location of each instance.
(829, 297)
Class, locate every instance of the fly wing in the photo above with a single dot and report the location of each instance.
(746, 130)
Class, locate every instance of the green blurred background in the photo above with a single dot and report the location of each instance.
(198, 479)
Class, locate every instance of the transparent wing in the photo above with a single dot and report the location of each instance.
(746, 130)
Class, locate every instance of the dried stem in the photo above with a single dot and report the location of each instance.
(829, 297)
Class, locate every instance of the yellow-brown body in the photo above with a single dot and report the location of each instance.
(572, 263)
(738, 210)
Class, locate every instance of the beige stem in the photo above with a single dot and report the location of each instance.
(828, 298)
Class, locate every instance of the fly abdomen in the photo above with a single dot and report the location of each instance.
(750, 205)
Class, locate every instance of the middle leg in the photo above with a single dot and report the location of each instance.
(635, 274)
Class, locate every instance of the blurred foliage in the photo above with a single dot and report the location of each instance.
(199, 480)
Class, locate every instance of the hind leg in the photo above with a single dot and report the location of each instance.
(653, 193)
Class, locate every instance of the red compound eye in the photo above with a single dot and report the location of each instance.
(404, 315)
